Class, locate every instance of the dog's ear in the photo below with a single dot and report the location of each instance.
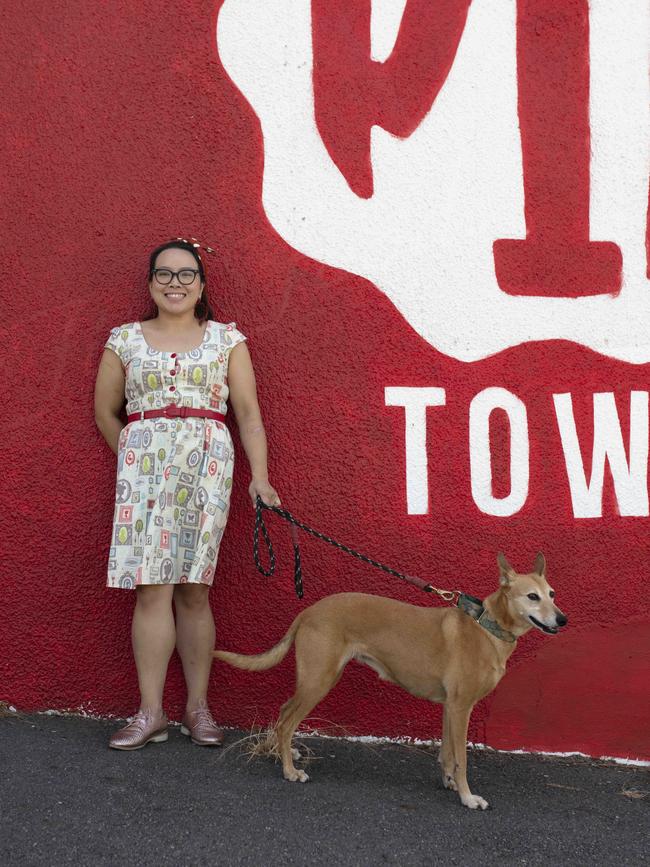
(540, 564)
(506, 571)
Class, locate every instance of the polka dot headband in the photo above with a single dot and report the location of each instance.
(198, 247)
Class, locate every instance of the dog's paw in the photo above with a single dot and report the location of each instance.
(449, 782)
(295, 754)
(296, 776)
(475, 802)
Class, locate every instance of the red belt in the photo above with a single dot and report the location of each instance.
(173, 411)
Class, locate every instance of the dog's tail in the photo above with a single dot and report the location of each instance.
(263, 660)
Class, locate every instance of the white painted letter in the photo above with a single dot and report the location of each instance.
(630, 481)
(415, 402)
(480, 457)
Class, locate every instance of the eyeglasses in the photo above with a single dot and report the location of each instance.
(164, 276)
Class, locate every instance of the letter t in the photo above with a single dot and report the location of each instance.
(415, 402)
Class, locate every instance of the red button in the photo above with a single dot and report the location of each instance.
(173, 372)
(173, 355)
(172, 388)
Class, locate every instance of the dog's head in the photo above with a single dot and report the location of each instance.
(531, 600)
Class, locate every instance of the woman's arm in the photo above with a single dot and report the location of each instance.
(243, 396)
(109, 398)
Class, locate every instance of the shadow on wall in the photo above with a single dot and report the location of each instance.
(592, 669)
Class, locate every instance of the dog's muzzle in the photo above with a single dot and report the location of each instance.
(560, 620)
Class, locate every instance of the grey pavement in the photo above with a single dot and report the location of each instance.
(67, 799)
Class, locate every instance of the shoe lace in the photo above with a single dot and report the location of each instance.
(202, 715)
(140, 720)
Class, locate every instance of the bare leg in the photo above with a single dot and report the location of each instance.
(458, 721)
(153, 636)
(195, 635)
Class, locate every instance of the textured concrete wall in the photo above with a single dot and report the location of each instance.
(394, 255)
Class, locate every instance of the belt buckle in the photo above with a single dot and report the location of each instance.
(173, 410)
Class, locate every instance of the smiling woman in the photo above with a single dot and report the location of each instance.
(175, 462)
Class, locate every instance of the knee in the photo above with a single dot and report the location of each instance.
(154, 597)
(192, 597)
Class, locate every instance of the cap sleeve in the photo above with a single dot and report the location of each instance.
(117, 341)
(233, 336)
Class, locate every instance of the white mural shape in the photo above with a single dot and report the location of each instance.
(443, 195)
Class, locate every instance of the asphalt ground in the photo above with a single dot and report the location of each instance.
(67, 799)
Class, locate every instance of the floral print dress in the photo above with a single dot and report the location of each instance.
(174, 475)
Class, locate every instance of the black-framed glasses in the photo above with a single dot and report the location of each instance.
(186, 276)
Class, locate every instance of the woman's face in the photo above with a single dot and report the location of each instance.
(176, 284)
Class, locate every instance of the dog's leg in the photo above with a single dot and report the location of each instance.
(289, 719)
(459, 715)
(291, 715)
(318, 667)
(446, 756)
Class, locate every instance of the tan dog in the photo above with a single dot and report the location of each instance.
(441, 654)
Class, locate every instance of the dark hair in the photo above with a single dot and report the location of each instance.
(202, 310)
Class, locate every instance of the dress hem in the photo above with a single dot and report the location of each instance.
(157, 584)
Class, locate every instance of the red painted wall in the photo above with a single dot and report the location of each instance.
(120, 129)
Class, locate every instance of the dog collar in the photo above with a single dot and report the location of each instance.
(476, 610)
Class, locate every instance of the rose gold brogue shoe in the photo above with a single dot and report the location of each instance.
(201, 728)
(143, 729)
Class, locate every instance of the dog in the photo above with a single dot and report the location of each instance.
(444, 655)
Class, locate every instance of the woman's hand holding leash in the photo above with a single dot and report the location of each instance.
(264, 490)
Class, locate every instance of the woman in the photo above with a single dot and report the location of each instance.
(174, 475)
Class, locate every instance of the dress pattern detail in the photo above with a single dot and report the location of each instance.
(174, 476)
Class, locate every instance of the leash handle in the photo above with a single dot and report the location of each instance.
(260, 525)
(447, 595)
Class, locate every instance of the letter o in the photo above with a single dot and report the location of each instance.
(480, 457)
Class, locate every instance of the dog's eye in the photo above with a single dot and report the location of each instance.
(534, 597)
(552, 594)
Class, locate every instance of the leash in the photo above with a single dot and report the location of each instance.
(294, 525)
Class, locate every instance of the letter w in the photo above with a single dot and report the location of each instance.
(630, 480)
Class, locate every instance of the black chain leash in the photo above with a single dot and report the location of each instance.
(447, 595)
